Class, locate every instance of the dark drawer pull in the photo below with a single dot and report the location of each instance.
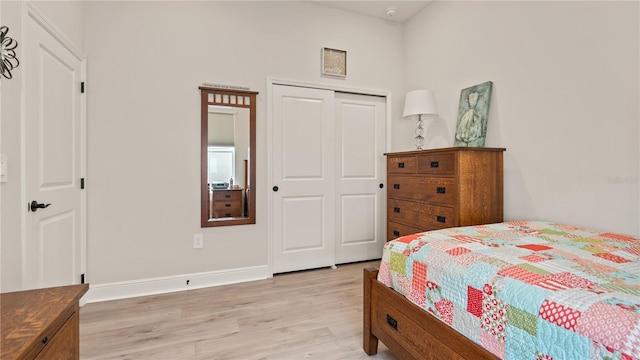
(441, 219)
(396, 209)
(401, 165)
(45, 339)
(435, 164)
(396, 233)
(441, 190)
(392, 322)
(227, 205)
(228, 215)
(227, 196)
(396, 186)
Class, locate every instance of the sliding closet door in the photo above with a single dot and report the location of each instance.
(303, 178)
(361, 202)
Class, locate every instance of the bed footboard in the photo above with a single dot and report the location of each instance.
(370, 342)
(408, 331)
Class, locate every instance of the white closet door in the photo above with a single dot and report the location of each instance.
(360, 145)
(303, 178)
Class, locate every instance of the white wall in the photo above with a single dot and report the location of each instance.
(145, 63)
(66, 17)
(565, 105)
(565, 100)
(10, 247)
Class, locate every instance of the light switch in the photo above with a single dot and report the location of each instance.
(3, 168)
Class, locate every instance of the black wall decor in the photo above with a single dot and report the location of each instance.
(8, 59)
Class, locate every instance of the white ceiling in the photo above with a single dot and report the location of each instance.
(404, 9)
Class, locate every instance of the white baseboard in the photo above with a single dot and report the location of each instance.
(169, 284)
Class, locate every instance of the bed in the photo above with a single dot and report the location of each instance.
(512, 290)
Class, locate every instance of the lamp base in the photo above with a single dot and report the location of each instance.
(419, 138)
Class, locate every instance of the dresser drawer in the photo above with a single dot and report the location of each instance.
(64, 344)
(222, 205)
(227, 195)
(436, 164)
(227, 209)
(396, 230)
(401, 165)
(422, 188)
(427, 217)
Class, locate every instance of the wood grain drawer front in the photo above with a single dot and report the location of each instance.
(401, 165)
(436, 164)
(431, 189)
(420, 215)
(227, 205)
(395, 230)
(400, 327)
(227, 195)
(64, 344)
(227, 209)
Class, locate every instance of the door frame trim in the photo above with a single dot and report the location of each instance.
(30, 12)
(303, 84)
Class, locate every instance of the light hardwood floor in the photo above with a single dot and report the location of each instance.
(314, 314)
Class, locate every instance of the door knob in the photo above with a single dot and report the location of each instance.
(34, 206)
(275, 188)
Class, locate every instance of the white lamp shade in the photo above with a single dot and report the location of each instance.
(420, 102)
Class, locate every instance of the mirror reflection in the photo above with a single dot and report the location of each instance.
(227, 160)
(228, 150)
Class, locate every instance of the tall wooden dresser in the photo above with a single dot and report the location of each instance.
(441, 188)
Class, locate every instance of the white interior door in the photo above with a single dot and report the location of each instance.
(53, 149)
(303, 178)
(360, 145)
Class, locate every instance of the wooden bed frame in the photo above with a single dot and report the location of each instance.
(408, 331)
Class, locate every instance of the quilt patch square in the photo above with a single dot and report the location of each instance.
(457, 251)
(609, 325)
(444, 307)
(522, 320)
(560, 315)
(521, 344)
(560, 343)
(524, 275)
(494, 313)
(474, 301)
(535, 247)
(612, 257)
(491, 343)
(419, 281)
(534, 258)
(465, 239)
(398, 263)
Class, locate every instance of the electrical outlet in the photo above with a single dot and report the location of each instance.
(198, 241)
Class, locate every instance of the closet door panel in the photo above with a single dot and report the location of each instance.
(303, 179)
(360, 142)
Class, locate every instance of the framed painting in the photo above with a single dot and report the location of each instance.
(473, 113)
(334, 62)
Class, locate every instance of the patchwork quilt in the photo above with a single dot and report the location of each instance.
(526, 289)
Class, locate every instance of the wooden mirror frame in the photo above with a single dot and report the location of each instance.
(231, 98)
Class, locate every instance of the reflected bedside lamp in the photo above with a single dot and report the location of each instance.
(420, 102)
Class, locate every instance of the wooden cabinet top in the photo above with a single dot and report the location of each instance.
(449, 149)
(27, 316)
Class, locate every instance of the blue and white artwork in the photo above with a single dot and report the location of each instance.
(473, 114)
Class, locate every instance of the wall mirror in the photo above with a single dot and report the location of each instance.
(227, 157)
